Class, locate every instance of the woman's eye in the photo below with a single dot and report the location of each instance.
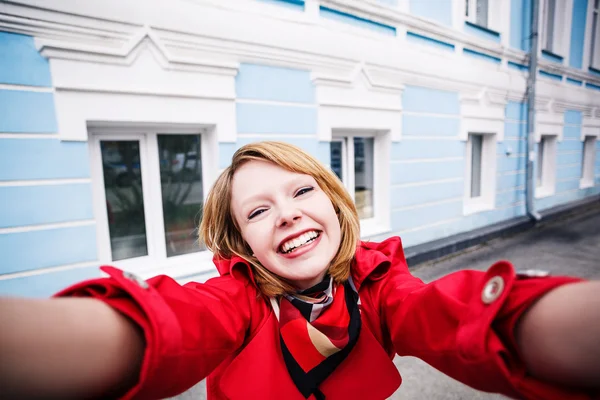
(256, 213)
(303, 190)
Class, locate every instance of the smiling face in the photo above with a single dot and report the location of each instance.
(287, 220)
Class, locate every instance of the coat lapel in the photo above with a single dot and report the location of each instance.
(260, 372)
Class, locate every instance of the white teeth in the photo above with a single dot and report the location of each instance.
(299, 241)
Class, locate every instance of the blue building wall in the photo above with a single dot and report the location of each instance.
(47, 223)
(38, 209)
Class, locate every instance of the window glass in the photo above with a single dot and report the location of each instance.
(363, 176)
(336, 158)
(476, 154)
(481, 13)
(182, 192)
(124, 198)
(589, 155)
(540, 161)
(550, 12)
(595, 42)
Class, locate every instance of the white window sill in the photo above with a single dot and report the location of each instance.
(474, 206)
(372, 227)
(586, 183)
(541, 192)
(178, 267)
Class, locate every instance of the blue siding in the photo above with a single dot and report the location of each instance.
(510, 197)
(566, 197)
(577, 33)
(422, 125)
(25, 251)
(18, 108)
(24, 159)
(35, 205)
(274, 83)
(426, 171)
(565, 186)
(520, 24)
(354, 20)
(324, 152)
(20, 62)
(508, 164)
(45, 285)
(427, 41)
(226, 151)
(515, 130)
(516, 146)
(568, 171)
(570, 145)
(573, 117)
(414, 149)
(481, 32)
(266, 118)
(507, 181)
(481, 56)
(415, 195)
(516, 111)
(415, 217)
(295, 4)
(568, 158)
(439, 11)
(421, 99)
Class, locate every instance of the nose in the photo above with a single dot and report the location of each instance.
(288, 216)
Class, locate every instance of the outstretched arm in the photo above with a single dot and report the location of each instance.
(559, 336)
(67, 348)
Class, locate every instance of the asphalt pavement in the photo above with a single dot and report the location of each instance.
(569, 246)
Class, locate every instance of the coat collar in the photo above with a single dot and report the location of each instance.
(371, 262)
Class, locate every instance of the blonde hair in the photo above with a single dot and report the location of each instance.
(221, 234)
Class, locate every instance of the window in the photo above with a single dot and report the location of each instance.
(589, 161)
(553, 26)
(546, 166)
(477, 12)
(595, 42)
(352, 160)
(152, 194)
(481, 172)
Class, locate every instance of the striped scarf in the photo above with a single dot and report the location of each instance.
(318, 327)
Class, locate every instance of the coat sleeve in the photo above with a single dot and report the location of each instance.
(463, 325)
(188, 329)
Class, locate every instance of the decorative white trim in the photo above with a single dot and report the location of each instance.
(548, 178)
(487, 199)
(482, 113)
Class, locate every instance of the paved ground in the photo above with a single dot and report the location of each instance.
(570, 246)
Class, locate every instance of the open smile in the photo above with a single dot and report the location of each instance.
(294, 244)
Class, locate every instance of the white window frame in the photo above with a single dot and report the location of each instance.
(487, 199)
(588, 162)
(548, 167)
(156, 262)
(561, 28)
(380, 222)
(471, 12)
(594, 35)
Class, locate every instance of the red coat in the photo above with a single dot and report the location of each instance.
(461, 324)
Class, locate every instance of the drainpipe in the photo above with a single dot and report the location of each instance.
(530, 186)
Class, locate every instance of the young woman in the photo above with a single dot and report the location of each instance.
(302, 309)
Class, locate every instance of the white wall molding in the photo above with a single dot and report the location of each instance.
(189, 36)
(483, 113)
